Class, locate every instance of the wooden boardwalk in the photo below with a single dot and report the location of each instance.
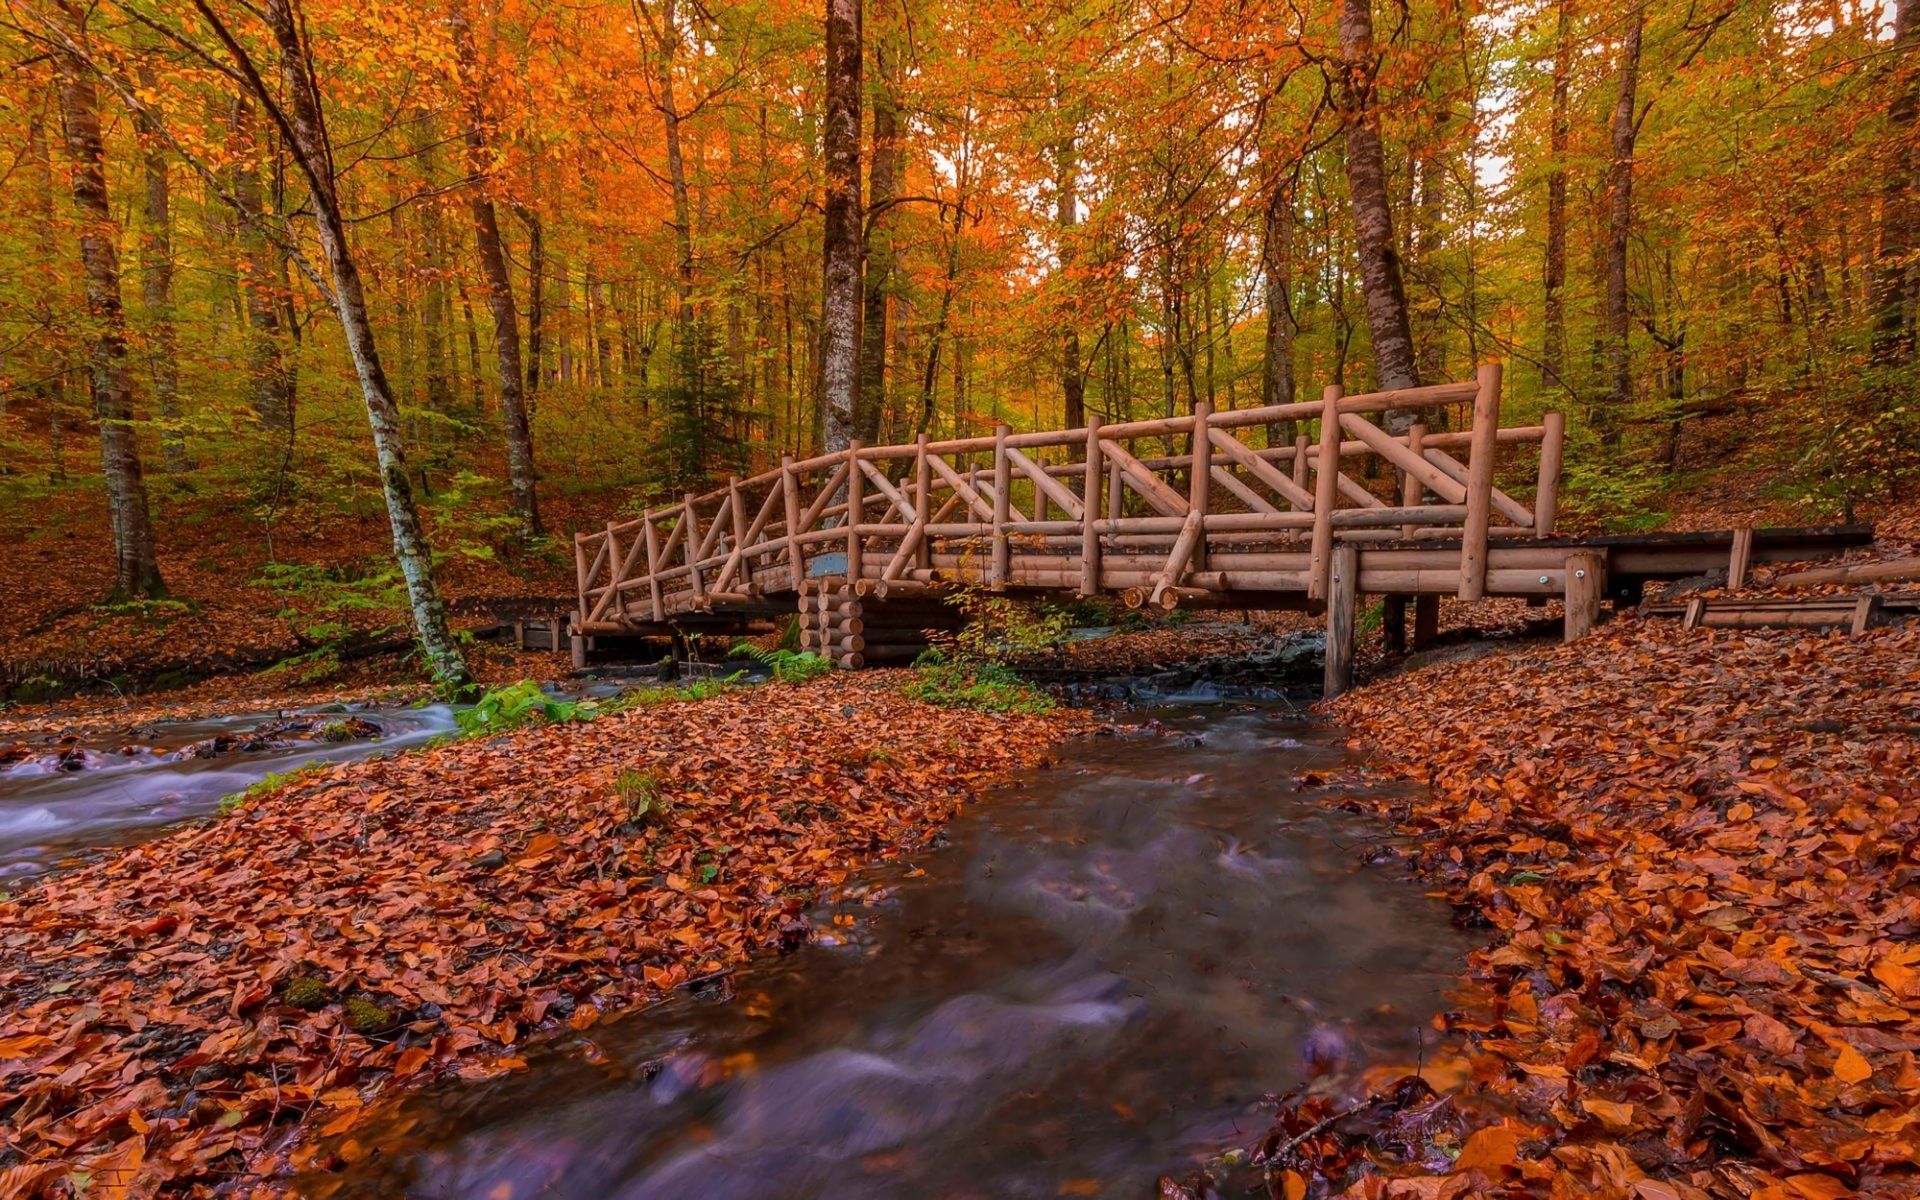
(1236, 508)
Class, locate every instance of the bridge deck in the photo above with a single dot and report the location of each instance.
(1235, 508)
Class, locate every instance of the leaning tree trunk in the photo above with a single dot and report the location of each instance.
(1619, 227)
(882, 186)
(506, 319)
(1385, 292)
(841, 241)
(136, 569)
(410, 549)
(1892, 268)
(156, 290)
(1553, 341)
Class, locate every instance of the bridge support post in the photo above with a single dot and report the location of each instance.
(1426, 620)
(1586, 580)
(1393, 623)
(1343, 596)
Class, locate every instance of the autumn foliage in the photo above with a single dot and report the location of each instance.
(1695, 853)
(174, 1012)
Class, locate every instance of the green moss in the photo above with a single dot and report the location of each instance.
(306, 992)
(364, 1016)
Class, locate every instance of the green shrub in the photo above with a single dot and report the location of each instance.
(986, 686)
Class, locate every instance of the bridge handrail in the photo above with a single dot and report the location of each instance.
(729, 545)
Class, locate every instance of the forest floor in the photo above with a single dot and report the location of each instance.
(1697, 855)
(198, 1010)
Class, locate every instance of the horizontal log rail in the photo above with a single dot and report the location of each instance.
(1162, 510)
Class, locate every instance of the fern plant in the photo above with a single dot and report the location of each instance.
(788, 666)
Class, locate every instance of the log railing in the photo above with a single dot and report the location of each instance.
(1159, 510)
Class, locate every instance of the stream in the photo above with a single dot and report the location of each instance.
(1094, 979)
(62, 797)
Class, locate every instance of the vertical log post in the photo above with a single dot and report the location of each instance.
(856, 506)
(790, 493)
(653, 569)
(610, 603)
(690, 548)
(1325, 493)
(1546, 496)
(1426, 620)
(1002, 502)
(1410, 488)
(922, 501)
(1585, 571)
(580, 572)
(1485, 448)
(1090, 513)
(1342, 598)
(1741, 559)
(742, 578)
(1116, 492)
(1301, 442)
(1200, 478)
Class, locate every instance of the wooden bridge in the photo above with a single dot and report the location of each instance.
(1234, 508)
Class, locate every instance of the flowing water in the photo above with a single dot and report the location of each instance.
(1094, 980)
(72, 795)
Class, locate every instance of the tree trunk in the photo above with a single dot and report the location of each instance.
(410, 549)
(1553, 348)
(536, 302)
(1073, 379)
(156, 290)
(271, 380)
(1394, 364)
(52, 367)
(137, 569)
(1892, 269)
(882, 186)
(493, 264)
(840, 250)
(1276, 269)
(1619, 227)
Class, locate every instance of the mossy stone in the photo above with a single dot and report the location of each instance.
(364, 1016)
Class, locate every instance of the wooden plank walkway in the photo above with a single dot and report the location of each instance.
(1240, 508)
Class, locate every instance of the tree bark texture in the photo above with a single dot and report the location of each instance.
(1892, 268)
(271, 379)
(136, 566)
(1620, 228)
(1553, 340)
(840, 300)
(521, 475)
(1394, 362)
(883, 185)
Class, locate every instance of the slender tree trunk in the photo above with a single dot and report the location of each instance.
(1892, 267)
(1553, 349)
(1276, 269)
(536, 302)
(1619, 227)
(53, 365)
(1394, 363)
(271, 380)
(882, 186)
(1431, 174)
(521, 474)
(435, 311)
(1073, 379)
(314, 151)
(137, 569)
(156, 290)
(840, 299)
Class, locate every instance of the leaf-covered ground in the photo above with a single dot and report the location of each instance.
(188, 1013)
(1699, 853)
